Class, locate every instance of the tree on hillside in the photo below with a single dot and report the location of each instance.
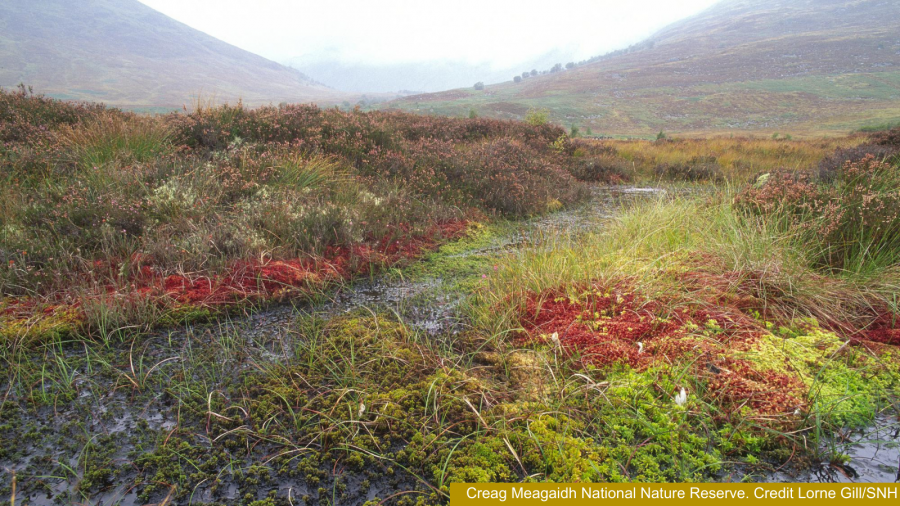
(517, 79)
(479, 86)
(526, 74)
(537, 117)
(570, 65)
(534, 72)
(556, 68)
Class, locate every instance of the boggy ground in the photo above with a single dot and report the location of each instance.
(365, 399)
(130, 419)
(702, 333)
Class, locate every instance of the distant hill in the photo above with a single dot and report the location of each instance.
(805, 66)
(422, 77)
(126, 54)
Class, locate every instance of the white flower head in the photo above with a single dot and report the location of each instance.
(362, 409)
(681, 398)
(640, 347)
(555, 338)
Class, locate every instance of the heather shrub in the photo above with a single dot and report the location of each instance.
(831, 166)
(78, 210)
(700, 168)
(603, 168)
(430, 157)
(29, 118)
(350, 134)
(889, 138)
(509, 177)
(853, 220)
(25, 163)
(198, 192)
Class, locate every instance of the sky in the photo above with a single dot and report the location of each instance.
(499, 33)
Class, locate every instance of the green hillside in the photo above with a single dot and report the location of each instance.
(790, 66)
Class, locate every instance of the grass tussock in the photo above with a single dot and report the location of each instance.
(115, 138)
(653, 244)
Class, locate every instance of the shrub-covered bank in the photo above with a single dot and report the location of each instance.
(98, 205)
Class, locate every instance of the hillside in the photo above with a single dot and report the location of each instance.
(789, 66)
(124, 53)
(423, 77)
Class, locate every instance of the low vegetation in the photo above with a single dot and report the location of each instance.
(250, 203)
(726, 326)
(735, 160)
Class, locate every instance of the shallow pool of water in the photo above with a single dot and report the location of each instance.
(872, 455)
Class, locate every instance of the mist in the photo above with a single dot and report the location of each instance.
(350, 45)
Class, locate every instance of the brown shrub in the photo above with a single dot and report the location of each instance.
(700, 168)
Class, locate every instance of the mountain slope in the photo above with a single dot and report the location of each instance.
(124, 53)
(742, 65)
(428, 76)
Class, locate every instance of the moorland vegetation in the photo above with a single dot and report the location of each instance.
(720, 329)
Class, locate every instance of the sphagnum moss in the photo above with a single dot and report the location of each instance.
(747, 382)
(362, 394)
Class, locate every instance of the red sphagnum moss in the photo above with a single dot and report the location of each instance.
(255, 280)
(603, 326)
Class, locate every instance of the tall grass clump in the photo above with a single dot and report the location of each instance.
(299, 173)
(650, 243)
(116, 137)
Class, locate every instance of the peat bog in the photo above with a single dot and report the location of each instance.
(291, 305)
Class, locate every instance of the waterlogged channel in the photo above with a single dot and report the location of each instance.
(870, 455)
(99, 417)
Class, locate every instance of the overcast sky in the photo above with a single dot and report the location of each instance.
(502, 33)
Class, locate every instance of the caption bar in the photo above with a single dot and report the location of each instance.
(574, 494)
